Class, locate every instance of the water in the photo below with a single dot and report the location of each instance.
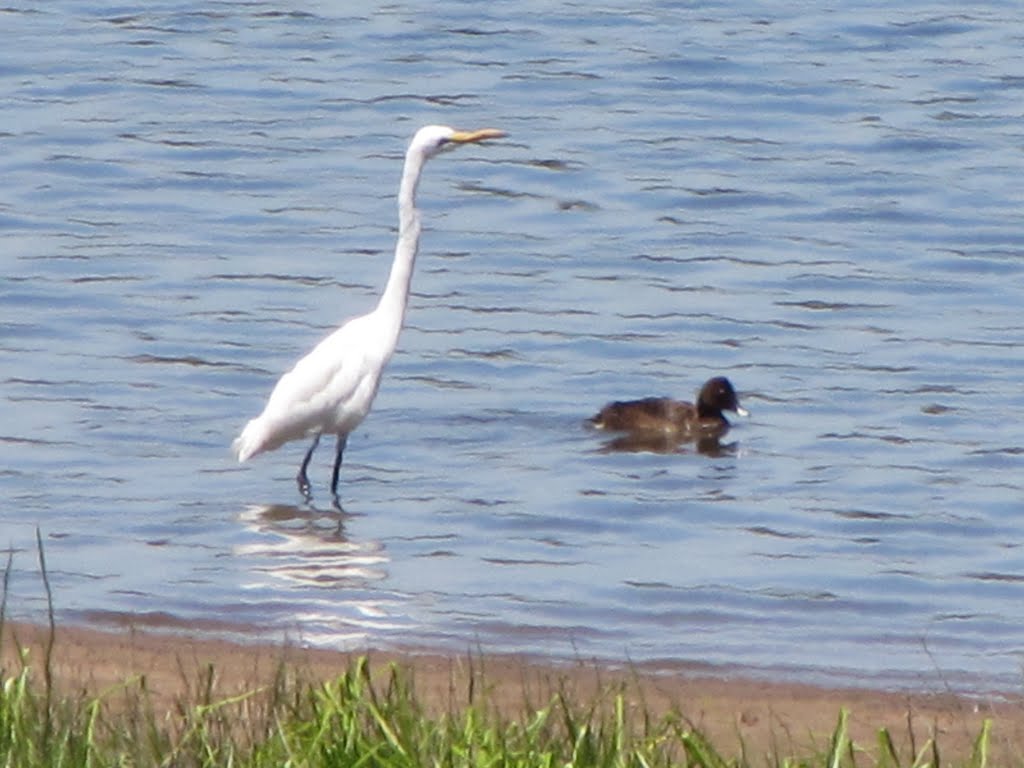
(823, 204)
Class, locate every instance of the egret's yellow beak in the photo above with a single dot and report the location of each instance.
(467, 137)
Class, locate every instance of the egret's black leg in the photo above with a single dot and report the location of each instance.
(301, 478)
(342, 440)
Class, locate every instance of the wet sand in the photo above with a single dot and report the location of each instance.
(766, 717)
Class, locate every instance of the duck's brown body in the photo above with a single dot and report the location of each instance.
(673, 417)
(656, 414)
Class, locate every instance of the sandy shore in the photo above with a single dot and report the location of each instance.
(766, 717)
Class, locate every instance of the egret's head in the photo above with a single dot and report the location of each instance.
(431, 139)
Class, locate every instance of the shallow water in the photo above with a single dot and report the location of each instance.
(823, 205)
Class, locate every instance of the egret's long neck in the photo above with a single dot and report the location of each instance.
(391, 308)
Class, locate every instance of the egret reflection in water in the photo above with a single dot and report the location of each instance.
(309, 548)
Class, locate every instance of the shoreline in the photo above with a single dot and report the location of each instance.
(961, 683)
(737, 712)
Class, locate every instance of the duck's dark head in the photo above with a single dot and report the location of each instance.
(718, 395)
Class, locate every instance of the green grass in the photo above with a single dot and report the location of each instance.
(356, 720)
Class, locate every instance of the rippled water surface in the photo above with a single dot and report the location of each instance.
(823, 204)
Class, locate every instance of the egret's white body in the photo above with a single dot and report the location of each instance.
(331, 389)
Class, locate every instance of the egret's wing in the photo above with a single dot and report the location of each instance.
(310, 397)
(327, 376)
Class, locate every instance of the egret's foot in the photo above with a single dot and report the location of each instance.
(335, 475)
(301, 479)
(303, 483)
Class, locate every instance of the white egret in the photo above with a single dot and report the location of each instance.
(331, 389)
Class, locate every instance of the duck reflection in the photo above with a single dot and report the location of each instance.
(309, 547)
(667, 443)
